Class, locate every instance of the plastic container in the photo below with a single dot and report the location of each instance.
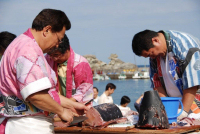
(171, 107)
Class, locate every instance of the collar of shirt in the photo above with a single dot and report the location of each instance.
(64, 63)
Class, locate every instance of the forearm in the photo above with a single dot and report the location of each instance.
(66, 102)
(139, 99)
(188, 97)
(43, 100)
(161, 91)
(76, 107)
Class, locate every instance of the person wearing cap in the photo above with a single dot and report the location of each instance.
(174, 63)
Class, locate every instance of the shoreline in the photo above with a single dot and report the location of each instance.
(115, 76)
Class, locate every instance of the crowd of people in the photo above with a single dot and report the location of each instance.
(41, 75)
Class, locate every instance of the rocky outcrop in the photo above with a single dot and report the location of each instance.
(115, 64)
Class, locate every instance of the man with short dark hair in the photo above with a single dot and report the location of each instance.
(106, 96)
(27, 85)
(73, 73)
(174, 63)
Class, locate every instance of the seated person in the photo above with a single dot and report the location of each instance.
(106, 96)
(125, 100)
(71, 68)
(96, 97)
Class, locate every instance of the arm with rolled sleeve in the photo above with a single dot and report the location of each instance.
(181, 44)
(34, 85)
(191, 81)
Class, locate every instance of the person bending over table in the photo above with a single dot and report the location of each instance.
(174, 63)
(28, 95)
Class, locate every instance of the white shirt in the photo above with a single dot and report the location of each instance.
(95, 101)
(124, 110)
(105, 99)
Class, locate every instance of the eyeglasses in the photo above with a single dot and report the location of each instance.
(59, 41)
(55, 56)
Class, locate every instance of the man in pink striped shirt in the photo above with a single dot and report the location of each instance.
(27, 84)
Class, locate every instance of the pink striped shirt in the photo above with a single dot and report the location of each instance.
(24, 71)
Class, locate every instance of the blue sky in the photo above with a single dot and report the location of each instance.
(102, 27)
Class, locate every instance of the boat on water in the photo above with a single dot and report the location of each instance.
(98, 77)
(145, 75)
(137, 75)
(106, 77)
(101, 77)
(122, 76)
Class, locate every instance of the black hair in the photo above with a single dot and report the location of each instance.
(124, 100)
(143, 41)
(5, 39)
(96, 89)
(111, 86)
(57, 19)
(64, 46)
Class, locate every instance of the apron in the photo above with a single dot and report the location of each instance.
(171, 88)
(34, 125)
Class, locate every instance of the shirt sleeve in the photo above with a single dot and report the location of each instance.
(31, 75)
(191, 75)
(84, 93)
(84, 82)
(181, 43)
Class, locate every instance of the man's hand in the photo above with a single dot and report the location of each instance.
(183, 115)
(75, 107)
(44, 101)
(67, 115)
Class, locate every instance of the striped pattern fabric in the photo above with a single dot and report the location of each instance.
(181, 43)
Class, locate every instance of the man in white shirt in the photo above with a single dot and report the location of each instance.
(106, 96)
(96, 97)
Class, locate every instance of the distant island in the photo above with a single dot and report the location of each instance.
(115, 66)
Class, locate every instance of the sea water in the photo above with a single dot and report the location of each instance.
(132, 88)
